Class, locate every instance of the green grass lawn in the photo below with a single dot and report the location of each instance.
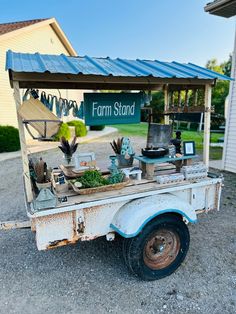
(141, 130)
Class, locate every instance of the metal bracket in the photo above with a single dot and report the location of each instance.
(80, 219)
(43, 137)
(81, 225)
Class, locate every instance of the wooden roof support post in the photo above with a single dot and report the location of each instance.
(24, 155)
(207, 124)
(167, 103)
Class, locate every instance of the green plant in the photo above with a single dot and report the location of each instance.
(91, 179)
(157, 105)
(97, 127)
(9, 139)
(80, 128)
(116, 178)
(64, 131)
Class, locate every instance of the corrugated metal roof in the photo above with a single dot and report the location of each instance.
(39, 63)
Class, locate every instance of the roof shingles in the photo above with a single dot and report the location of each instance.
(10, 27)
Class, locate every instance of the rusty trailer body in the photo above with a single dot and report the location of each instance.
(147, 215)
(125, 214)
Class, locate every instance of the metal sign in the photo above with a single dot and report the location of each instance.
(112, 108)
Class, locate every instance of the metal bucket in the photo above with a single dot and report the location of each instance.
(123, 162)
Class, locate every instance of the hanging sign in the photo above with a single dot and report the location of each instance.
(112, 108)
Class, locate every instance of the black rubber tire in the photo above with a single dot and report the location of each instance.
(133, 248)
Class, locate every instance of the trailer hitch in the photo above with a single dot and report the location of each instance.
(9, 225)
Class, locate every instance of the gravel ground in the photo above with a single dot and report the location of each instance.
(91, 277)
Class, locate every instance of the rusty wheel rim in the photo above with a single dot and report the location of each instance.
(161, 249)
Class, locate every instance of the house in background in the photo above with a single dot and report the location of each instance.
(42, 35)
(227, 9)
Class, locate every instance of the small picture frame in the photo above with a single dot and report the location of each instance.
(189, 148)
(85, 161)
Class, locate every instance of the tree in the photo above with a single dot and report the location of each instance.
(219, 92)
(157, 105)
(214, 66)
(222, 68)
(226, 66)
(221, 89)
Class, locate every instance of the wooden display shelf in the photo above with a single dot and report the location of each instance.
(147, 165)
(133, 187)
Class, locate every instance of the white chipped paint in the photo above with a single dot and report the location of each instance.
(126, 214)
(98, 219)
(132, 216)
(177, 188)
(55, 228)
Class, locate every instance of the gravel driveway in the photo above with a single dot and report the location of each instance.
(91, 277)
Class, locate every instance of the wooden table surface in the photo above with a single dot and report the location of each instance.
(160, 160)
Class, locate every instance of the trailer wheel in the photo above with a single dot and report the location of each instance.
(159, 249)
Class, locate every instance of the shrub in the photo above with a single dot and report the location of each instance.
(63, 131)
(97, 127)
(80, 128)
(9, 139)
(217, 120)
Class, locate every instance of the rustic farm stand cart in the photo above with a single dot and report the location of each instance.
(150, 216)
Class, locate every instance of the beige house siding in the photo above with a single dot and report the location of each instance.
(229, 154)
(43, 40)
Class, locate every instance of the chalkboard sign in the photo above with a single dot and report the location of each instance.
(112, 108)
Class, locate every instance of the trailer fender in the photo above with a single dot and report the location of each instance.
(133, 216)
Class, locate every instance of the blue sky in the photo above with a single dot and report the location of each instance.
(167, 30)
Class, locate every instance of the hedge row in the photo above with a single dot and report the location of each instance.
(9, 139)
(80, 130)
(10, 142)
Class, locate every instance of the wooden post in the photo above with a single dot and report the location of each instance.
(179, 99)
(207, 124)
(200, 123)
(195, 97)
(25, 161)
(166, 98)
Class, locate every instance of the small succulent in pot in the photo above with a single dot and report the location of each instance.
(68, 148)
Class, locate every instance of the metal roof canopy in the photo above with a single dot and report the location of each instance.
(49, 71)
(59, 71)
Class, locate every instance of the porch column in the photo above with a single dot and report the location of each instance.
(166, 108)
(24, 155)
(207, 124)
